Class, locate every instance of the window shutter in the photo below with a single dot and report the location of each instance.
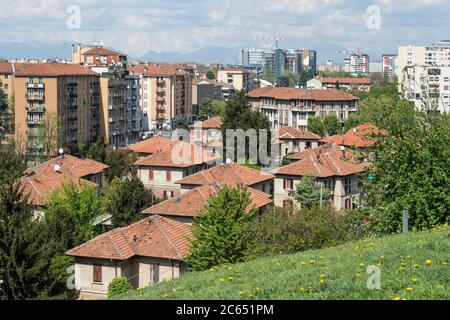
(284, 184)
(168, 175)
(151, 175)
(97, 273)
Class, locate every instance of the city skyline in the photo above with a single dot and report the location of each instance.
(138, 27)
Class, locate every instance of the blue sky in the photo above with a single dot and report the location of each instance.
(138, 26)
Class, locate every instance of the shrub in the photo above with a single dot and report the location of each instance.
(277, 233)
(119, 286)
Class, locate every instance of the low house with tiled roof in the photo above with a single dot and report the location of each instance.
(291, 107)
(229, 173)
(364, 136)
(69, 165)
(331, 165)
(151, 146)
(292, 140)
(187, 206)
(160, 171)
(349, 84)
(207, 131)
(146, 252)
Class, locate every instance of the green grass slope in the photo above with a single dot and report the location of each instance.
(413, 266)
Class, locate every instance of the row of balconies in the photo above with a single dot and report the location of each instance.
(34, 96)
(38, 109)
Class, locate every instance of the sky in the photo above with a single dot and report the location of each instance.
(139, 26)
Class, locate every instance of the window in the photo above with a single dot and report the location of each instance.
(347, 185)
(348, 204)
(154, 273)
(288, 184)
(168, 175)
(151, 174)
(97, 276)
(308, 144)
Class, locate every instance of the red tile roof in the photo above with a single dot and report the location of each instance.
(211, 123)
(301, 94)
(191, 203)
(294, 133)
(182, 155)
(153, 145)
(6, 67)
(70, 165)
(52, 69)
(234, 174)
(323, 162)
(101, 52)
(359, 81)
(38, 187)
(155, 237)
(362, 136)
(152, 70)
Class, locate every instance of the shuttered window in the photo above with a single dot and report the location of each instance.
(151, 175)
(154, 273)
(168, 175)
(97, 273)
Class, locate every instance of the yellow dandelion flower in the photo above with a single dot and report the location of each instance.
(396, 298)
(381, 257)
(222, 280)
(444, 263)
(321, 258)
(323, 275)
(379, 264)
(242, 293)
(361, 264)
(440, 286)
(416, 265)
(312, 261)
(414, 280)
(322, 281)
(302, 290)
(409, 289)
(303, 263)
(428, 262)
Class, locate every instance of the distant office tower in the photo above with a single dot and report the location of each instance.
(357, 64)
(250, 57)
(279, 64)
(309, 60)
(375, 67)
(389, 64)
(294, 61)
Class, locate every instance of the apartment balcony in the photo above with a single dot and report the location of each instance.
(32, 85)
(34, 96)
(160, 117)
(72, 118)
(72, 95)
(35, 109)
(110, 107)
(34, 122)
(160, 90)
(160, 99)
(161, 83)
(73, 106)
(72, 84)
(110, 120)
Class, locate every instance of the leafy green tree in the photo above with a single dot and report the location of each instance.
(332, 124)
(81, 202)
(4, 114)
(268, 76)
(126, 200)
(121, 164)
(206, 110)
(410, 170)
(57, 286)
(49, 135)
(315, 125)
(118, 286)
(310, 195)
(219, 230)
(183, 124)
(239, 115)
(335, 74)
(97, 151)
(305, 76)
(210, 75)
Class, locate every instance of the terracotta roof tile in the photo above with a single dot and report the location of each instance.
(70, 165)
(6, 67)
(155, 236)
(182, 155)
(301, 94)
(293, 133)
(191, 203)
(362, 136)
(211, 123)
(323, 162)
(227, 173)
(52, 69)
(101, 52)
(39, 186)
(153, 145)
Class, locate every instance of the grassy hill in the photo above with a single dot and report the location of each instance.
(413, 266)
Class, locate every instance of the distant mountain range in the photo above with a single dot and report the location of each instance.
(226, 55)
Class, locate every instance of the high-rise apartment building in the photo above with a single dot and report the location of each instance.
(251, 57)
(70, 92)
(390, 62)
(357, 64)
(165, 95)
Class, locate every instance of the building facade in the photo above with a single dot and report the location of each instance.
(390, 64)
(357, 64)
(291, 107)
(238, 78)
